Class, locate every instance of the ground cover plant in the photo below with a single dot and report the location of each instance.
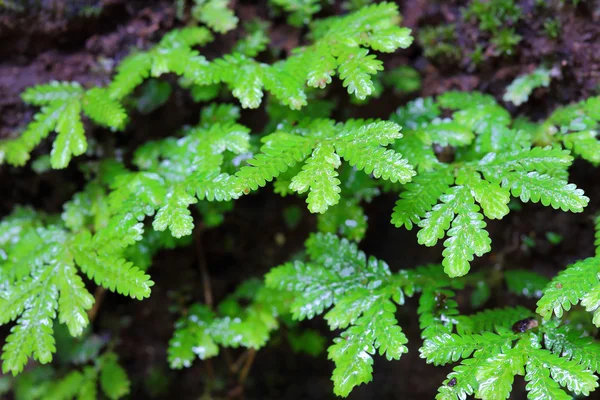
(296, 198)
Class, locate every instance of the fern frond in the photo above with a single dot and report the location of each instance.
(519, 90)
(320, 176)
(102, 109)
(215, 14)
(116, 274)
(351, 353)
(113, 378)
(53, 92)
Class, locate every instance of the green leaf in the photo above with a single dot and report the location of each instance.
(175, 214)
(70, 140)
(74, 299)
(103, 110)
(419, 196)
(115, 274)
(320, 177)
(569, 287)
(355, 71)
(215, 14)
(519, 90)
(535, 187)
(53, 92)
(353, 350)
(113, 378)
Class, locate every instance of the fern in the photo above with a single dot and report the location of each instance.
(491, 360)
(361, 295)
(488, 169)
(519, 90)
(322, 143)
(301, 11)
(215, 14)
(580, 282)
(200, 333)
(62, 104)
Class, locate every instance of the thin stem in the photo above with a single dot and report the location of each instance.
(206, 287)
(99, 295)
(247, 366)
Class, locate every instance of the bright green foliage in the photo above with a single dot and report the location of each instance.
(575, 127)
(341, 45)
(492, 162)
(301, 11)
(580, 282)
(41, 282)
(200, 333)
(62, 104)
(179, 172)
(548, 357)
(77, 384)
(361, 295)
(321, 143)
(519, 90)
(215, 14)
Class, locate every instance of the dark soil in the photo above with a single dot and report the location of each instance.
(54, 41)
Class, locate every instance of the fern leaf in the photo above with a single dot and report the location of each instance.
(355, 71)
(88, 389)
(539, 384)
(71, 139)
(33, 334)
(519, 90)
(389, 39)
(74, 299)
(569, 287)
(567, 373)
(130, 73)
(319, 175)
(280, 151)
(352, 351)
(584, 144)
(191, 339)
(535, 187)
(175, 214)
(60, 92)
(214, 186)
(102, 109)
(66, 388)
(456, 100)
(17, 151)
(496, 376)
(215, 14)
(447, 348)
(571, 344)
(113, 378)
(115, 274)
(437, 221)
(449, 133)
(419, 196)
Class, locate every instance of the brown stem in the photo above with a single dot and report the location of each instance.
(208, 297)
(99, 295)
(246, 370)
(235, 367)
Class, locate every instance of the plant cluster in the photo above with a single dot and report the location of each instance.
(454, 161)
